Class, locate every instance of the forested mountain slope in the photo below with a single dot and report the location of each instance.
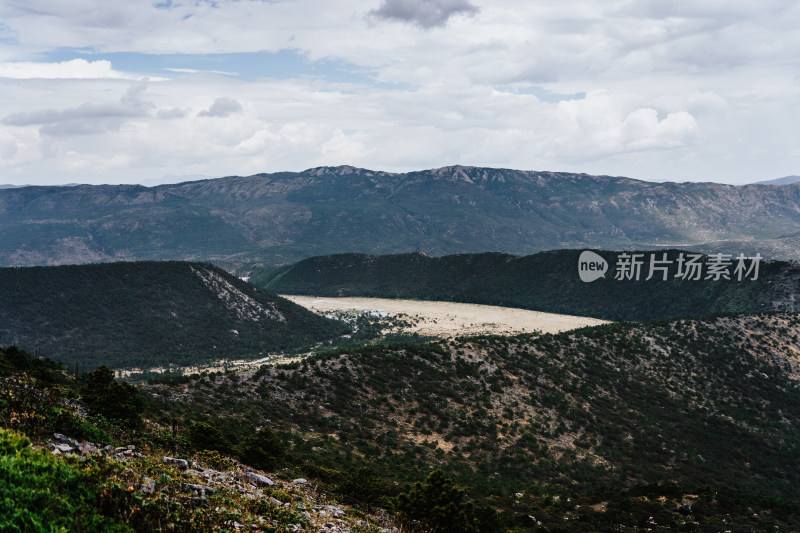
(547, 281)
(148, 313)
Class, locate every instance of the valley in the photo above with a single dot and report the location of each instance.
(386, 392)
(626, 421)
(687, 424)
(399, 320)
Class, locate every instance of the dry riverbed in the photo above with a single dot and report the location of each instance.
(429, 319)
(450, 319)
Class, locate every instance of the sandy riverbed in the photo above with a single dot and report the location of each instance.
(435, 319)
(449, 319)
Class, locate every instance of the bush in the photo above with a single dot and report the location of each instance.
(13, 360)
(79, 428)
(213, 459)
(326, 475)
(115, 400)
(264, 450)
(203, 436)
(436, 506)
(362, 486)
(39, 493)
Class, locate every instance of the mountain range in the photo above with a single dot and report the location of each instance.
(273, 219)
(786, 180)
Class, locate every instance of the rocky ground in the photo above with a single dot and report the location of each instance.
(254, 500)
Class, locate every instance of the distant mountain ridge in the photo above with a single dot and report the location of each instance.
(148, 313)
(546, 281)
(786, 180)
(273, 219)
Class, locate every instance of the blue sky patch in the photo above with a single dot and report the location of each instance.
(284, 64)
(543, 94)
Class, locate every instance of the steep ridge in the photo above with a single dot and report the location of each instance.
(148, 313)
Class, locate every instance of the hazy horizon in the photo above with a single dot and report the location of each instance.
(173, 179)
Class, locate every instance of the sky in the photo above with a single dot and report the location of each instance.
(142, 91)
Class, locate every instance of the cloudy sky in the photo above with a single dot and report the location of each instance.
(112, 92)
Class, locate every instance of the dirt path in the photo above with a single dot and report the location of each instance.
(448, 319)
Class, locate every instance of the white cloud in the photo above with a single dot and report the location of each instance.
(171, 113)
(18, 148)
(340, 149)
(222, 107)
(603, 125)
(674, 89)
(74, 69)
(198, 71)
(88, 118)
(642, 129)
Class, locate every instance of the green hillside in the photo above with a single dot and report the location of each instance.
(76, 455)
(148, 314)
(547, 281)
(612, 428)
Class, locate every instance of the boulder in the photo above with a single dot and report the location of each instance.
(180, 464)
(258, 480)
(335, 511)
(87, 448)
(200, 490)
(64, 448)
(148, 485)
(65, 440)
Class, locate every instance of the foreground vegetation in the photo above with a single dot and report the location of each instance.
(117, 489)
(547, 281)
(687, 425)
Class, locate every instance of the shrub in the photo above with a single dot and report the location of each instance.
(436, 506)
(264, 450)
(364, 487)
(204, 436)
(39, 493)
(79, 428)
(326, 475)
(115, 400)
(213, 459)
